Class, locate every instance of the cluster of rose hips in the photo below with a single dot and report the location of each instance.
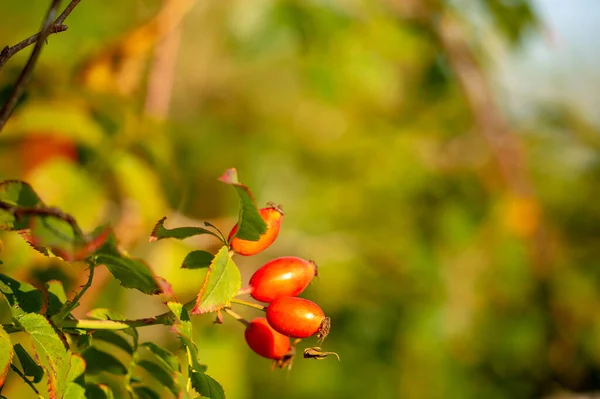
(278, 283)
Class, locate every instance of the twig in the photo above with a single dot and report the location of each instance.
(8, 51)
(70, 305)
(24, 377)
(249, 304)
(61, 18)
(25, 75)
(237, 317)
(491, 123)
(57, 27)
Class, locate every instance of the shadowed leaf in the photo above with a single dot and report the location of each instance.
(114, 338)
(197, 260)
(132, 273)
(30, 367)
(160, 231)
(206, 386)
(17, 193)
(250, 224)
(145, 393)
(22, 297)
(98, 361)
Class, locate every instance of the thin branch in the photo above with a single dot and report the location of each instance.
(504, 145)
(249, 304)
(8, 51)
(24, 377)
(237, 317)
(56, 27)
(61, 18)
(25, 75)
(70, 305)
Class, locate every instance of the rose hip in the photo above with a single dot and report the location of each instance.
(273, 217)
(297, 317)
(285, 276)
(265, 341)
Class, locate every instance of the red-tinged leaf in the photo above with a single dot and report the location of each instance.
(93, 244)
(250, 224)
(6, 354)
(26, 235)
(160, 231)
(221, 284)
(166, 288)
(55, 234)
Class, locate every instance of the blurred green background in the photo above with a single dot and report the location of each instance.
(439, 160)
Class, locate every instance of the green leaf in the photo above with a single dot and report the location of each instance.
(114, 338)
(5, 309)
(16, 193)
(6, 354)
(222, 282)
(197, 260)
(98, 361)
(76, 370)
(164, 377)
(132, 273)
(181, 382)
(183, 328)
(145, 393)
(98, 391)
(250, 224)
(50, 352)
(206, 386)
(22, 297)
(55, 234)
(168, 360)
(160, 231)
(30, 367)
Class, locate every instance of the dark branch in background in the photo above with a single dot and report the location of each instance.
(7, 52)
(504, 145)
(48, 27)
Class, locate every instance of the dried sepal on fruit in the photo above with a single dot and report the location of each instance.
(273, 216)
(285, 276)
(317, 353)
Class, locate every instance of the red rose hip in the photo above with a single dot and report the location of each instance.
(265, 341)
(285, 276)
(297, 317)
(273, 216)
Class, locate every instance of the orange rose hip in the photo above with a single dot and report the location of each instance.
(265, 341)
(285, 276)
(273, 216)
(297, 317)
